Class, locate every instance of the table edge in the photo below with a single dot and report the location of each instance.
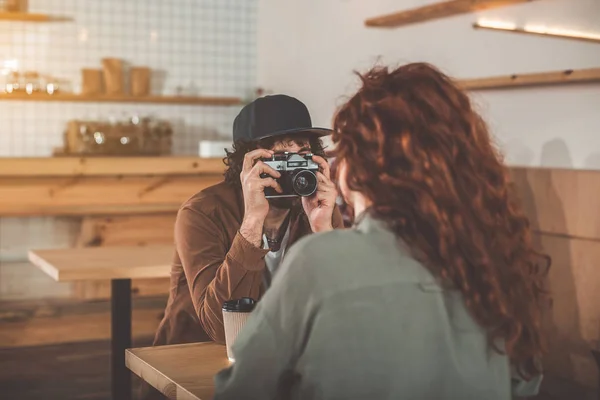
(66, 275)
(129, 354)
(43, 265)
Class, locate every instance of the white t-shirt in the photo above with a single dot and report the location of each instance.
(273, 258)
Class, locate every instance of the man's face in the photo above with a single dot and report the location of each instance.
(291, 145)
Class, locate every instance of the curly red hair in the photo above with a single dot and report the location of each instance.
(415, 148)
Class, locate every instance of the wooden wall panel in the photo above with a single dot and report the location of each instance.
(127, 230)
(103, 166)
(572, 324)
(134, 230)
(98, 195)
(560, 201)
(73, 328)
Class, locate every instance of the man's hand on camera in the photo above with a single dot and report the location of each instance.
(256, 205)
(319, 207)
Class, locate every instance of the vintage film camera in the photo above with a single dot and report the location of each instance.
(298, 174)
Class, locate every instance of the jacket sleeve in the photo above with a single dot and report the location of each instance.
(216, 271)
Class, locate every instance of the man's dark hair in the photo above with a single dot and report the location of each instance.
(234, 160)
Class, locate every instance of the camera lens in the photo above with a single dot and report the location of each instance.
(304, 182)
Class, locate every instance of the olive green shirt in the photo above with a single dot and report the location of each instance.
(351, 315)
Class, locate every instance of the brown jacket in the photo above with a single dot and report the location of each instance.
(213, 263)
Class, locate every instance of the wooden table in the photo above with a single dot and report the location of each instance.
(119, 265)
(183, 371)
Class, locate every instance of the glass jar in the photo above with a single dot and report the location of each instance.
(50, 85)
(32, 82)
(13, 83)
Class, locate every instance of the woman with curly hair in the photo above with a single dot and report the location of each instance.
(433, 294)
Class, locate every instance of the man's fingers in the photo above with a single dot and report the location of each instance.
(270, 182)
(323, 165)
(252, 156)
(323, 181)
(262, 168)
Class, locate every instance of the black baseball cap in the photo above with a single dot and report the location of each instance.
(274, 115)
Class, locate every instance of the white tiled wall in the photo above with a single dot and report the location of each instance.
(204, 47)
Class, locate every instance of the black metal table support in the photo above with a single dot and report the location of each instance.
(120, 338)
(596, 354)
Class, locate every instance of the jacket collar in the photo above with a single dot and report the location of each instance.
(366, 222)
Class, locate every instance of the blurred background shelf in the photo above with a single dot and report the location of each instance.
(72, 166)
(30, 17)
(71, 186)
(71, 97)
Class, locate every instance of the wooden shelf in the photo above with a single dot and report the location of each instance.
(535, 79)
(437, 10)
(99, 195)
(36, 167)
(102, 185)
(549, 34)
(29, 17)
(72, 97)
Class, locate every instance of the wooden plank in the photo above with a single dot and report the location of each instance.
(549, 33)
(75, 371)
(73, 328)
(106, 98)
(436, 11)
(100, 166)
(22, 280)
(535, 79)
(98, 263)
(127, 230)
(560, 201)
(91, 195)
(27, 310)
(137, 230)
(179, 371)
(101, 289)
(30, 17)
(572, 324)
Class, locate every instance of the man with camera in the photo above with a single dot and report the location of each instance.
(231, 237)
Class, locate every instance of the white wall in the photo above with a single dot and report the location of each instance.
(309, 48)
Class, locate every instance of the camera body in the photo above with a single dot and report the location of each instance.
(298, 174)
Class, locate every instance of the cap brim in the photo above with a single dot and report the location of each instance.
(319, 132)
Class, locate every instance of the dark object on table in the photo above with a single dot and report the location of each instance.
(141, 137)
(245, 304)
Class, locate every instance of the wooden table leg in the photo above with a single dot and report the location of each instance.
(120, 337)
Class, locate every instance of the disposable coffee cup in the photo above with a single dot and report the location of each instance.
(235, 314)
